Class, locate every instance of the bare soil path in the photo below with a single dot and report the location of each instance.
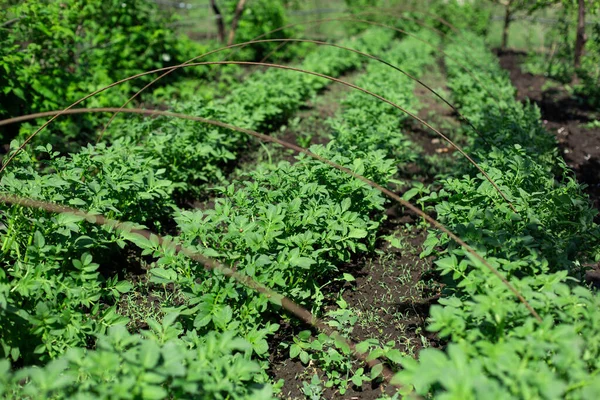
(564, 116)
(394, 288)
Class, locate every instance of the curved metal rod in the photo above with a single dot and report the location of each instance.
(378, 59)
(434, 223)
(240, 46)
(284, 67)
(211, 265)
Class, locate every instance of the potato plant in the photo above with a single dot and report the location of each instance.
(291, 226)
(195, 154)
(496, 348)
(71, 301)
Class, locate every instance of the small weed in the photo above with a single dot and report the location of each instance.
(313, 390)
(592, 124)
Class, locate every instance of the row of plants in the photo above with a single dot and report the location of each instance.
(60, 287)
(197, 154)
(365, 126)
(53, 53)
(357, 127)
(289, 226)
(497, 349)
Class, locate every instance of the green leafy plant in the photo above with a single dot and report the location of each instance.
(149, 366)
(534, 248)
(313, 391)
(53, 53)
(332, 356)
(335, 358)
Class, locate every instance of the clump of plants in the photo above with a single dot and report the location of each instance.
(53, 53)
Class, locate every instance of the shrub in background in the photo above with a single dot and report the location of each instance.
(52, 53)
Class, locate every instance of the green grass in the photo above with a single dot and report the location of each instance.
(198, 22)
(525, 34)
(522, 35)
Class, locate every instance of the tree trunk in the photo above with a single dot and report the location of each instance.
(507, 16)
(236, 20)
(220, 23)
(581, 37)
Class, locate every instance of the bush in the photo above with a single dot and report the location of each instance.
(56, 52)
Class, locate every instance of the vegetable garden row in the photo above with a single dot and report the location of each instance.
(76, 324)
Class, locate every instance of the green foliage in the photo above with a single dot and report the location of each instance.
(313, 390)
(53, 289)
(375, 125)
(57, 52)
(356, 7)
(258, 18)
(589, 73)
(369, 127)
(60, 284)
(334, 356)
(285, 226)
(497, 348)
(472, 16)
(164, 362)
(289, 227)
(558, 63)
(120, 181)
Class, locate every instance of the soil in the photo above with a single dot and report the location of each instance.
(393, 288)
(439, 115)
(399, 285)
(565, 117)
(392, 294)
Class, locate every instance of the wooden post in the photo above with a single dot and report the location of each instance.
(236, 19)
(220, 23)
(581, 37)
(507, 16)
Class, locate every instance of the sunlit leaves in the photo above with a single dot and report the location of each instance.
(181, 365)
(497, 349)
